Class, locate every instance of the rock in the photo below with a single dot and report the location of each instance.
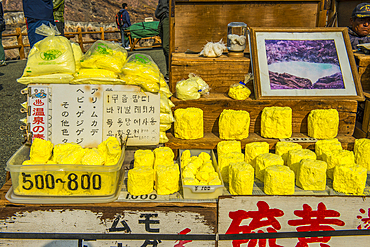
(287, 81)
(334, 81)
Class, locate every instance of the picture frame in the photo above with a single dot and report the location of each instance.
(303, 63)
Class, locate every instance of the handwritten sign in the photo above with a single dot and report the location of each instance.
(269, 214)
(75, 111)
(132, 114)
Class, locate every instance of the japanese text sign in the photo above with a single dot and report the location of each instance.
(273, 214)
(38, 115)
(132, 114)
(75, 111)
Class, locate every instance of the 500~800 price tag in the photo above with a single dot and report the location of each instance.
(66, 183)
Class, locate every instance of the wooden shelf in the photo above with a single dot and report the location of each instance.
(210, 140)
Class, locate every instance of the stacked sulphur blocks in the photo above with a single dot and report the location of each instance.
(228, 152)
(153, 170)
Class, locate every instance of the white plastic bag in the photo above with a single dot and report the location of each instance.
(213, 49)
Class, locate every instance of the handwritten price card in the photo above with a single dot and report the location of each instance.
(132, 114)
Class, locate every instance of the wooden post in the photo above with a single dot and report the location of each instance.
(80, 41)
(20, 42)
(102, 33)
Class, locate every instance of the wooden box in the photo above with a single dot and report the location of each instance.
(362, 129)
(193, 23)
(363, 62)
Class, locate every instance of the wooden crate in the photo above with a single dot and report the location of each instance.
(219, 72)
(214, 104)
(362, 129)
(195, 22)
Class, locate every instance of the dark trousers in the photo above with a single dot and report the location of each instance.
(164, 33)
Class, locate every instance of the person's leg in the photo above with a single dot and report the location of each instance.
(164, 32)
(122, 36)
(60, 27)
(2, 52)
(33, 37)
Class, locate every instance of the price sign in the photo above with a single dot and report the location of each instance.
(66, 183)
(132, 114)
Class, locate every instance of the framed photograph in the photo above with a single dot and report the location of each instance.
(298, 63)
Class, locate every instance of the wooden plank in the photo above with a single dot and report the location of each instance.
(210, 140)
(246, 214)
(365, 121)
(219, 73)
(213, 104)
(202, 21)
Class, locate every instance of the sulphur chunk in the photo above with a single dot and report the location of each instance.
(276, 122)
(167, 179)
(224, 160)
(92, 157)
(311, 174)
(265, 160)
(295, 156)
(326, 146)
(279, 180)
(162, 156)
(239, 92)
(282, 149)
(337, 157)
(111, 150)
(362, 152)
(204, 156)
(253, 149)
(190, 181)
(188, 173)
(144, 157)
(234, 125)
(140, 180)
(350, 179)
(72, 155)
(323, 123)
(224, 147)
(215, 181)
(41, 150)
(186, 154)
(30, 162)
(189, 123)
(241, 178)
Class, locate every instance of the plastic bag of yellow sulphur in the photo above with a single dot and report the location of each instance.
(141, 70)
(104, 55)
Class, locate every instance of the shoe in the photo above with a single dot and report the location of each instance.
(166, 79)
(2, 63)
(127, 47)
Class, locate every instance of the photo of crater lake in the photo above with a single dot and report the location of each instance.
(303, 64)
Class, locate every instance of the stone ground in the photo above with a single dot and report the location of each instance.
(11, 137)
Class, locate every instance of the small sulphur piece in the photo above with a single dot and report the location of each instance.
(282, 149)
(323, 123)
(163, 156)
(279, 180)
(111, 150)
(337, 157)
(224, 147)
(362, 152)
(241, 178)
(234, 125)
(326, 146)
(276, 122)
(69, 153)
(239, 92)
(253, 149)
(92, 157)
(296, 155)
(41, 150)
(144, 157)
(185, 155)
(311, 174)
(350, 179)
(140, 180)
(204, 156)
(265, 160)
(188, 123)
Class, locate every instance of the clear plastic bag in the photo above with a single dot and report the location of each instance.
(239, 91)
(192, 88)
(51, 55)
(77, 54)
(213, 49)
(105, 55)
(141, 70)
